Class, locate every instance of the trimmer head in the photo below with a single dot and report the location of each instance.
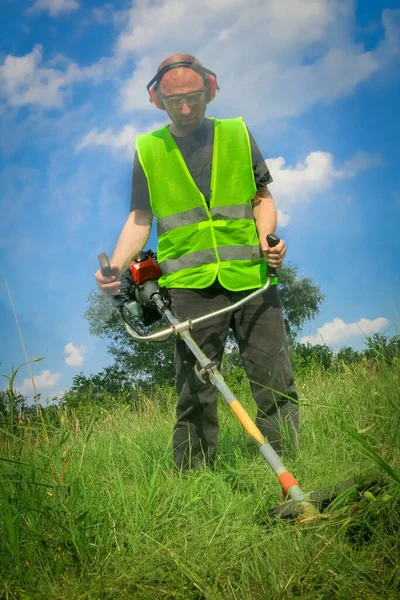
(321, 499)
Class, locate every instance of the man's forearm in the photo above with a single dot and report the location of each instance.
(132, 239)
(265, 214)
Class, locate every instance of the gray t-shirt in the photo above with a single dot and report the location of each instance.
(196, 149)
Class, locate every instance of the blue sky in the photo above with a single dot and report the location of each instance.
(317, 82)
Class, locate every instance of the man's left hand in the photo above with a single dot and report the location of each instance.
(274, 256)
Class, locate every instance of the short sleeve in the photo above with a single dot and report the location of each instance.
(261, 172)
(140, 190)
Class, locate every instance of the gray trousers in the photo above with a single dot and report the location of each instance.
(259, 329)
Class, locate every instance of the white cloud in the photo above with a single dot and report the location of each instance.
(283, 218)
(74, 353)
(305, 179)
(133, 93)
(45, 380)
(24, 81)
(274, 58)
(338, 331)
(287, 22)
(123, 140)
(54, 7)
(308, 179)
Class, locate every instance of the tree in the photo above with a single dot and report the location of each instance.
(13, 409)
(380, 347)
(11, 401)
(110, 386)
(300, 298)
(143, 362)
(305, 356)
(153, 362)
(348, 356)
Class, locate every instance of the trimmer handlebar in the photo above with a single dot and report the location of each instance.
(159, 336)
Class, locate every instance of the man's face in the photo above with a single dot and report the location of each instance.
(184, 100)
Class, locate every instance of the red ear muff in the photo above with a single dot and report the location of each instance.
(155, 98)
(212, 88)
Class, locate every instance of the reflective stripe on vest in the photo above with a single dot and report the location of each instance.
(243, 211)
(196, 215)
(196, 259)
(193, 215)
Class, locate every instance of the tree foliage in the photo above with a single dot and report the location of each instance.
(9, 398)
(381, 347)
(110, 386)
(348, 356)
(143, 363)
(305, 356)
(300, 297)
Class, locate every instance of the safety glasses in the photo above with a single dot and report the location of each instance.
(191, 99)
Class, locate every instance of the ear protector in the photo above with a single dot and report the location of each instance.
(210, 82)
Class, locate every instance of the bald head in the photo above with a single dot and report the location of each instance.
(180, 81)
(180, 58)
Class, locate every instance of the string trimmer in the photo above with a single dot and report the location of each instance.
(141, 302)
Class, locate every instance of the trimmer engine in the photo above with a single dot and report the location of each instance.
(139, 283)
(145, 267)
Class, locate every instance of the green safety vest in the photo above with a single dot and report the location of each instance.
(197, 244)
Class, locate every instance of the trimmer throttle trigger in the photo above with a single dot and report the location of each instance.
(105, 265)
(273, 240)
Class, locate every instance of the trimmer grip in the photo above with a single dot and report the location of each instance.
(106, 270)
(105, 265)
(273, 240)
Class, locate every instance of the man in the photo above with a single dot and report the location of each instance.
(206, 183)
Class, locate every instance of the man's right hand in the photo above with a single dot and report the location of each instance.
(110, 286)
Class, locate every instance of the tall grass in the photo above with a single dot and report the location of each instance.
(99, 512)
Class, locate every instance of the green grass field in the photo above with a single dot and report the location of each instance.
(92, 508)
